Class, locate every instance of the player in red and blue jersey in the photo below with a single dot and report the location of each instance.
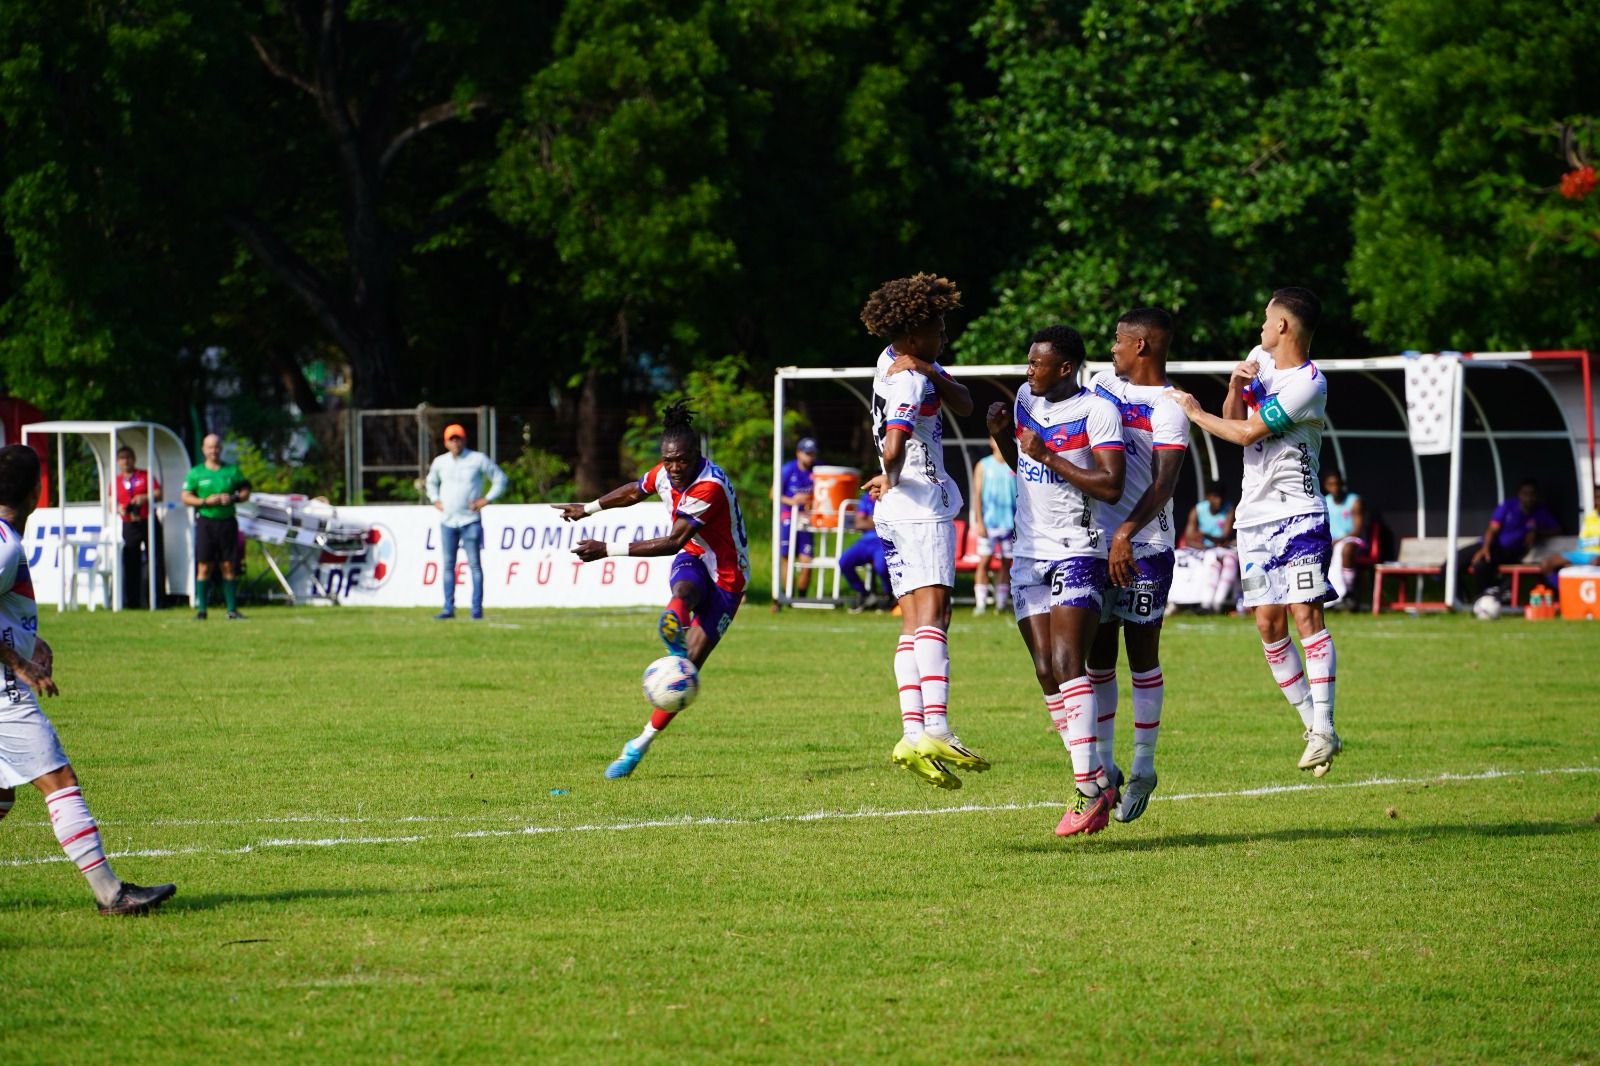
(30, 752)
(708, 539)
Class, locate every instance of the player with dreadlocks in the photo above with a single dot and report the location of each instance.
(917, 503)
(708, 539)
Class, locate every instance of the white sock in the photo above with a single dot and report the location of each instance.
(1319, 674)
(80, 839)
(1002, 595)
(933, 662)
(1105, 725)
(1340, 579)
(982, 594)
(909, 679)
(1290, 676)
(1148, 690)
(1078, 718)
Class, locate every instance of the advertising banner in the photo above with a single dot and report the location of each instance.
(526, 554)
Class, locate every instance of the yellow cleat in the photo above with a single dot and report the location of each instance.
(949, 751)
(930, 770)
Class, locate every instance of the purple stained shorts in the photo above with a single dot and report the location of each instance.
(714, 606)
(1038, 585)
(1145, 601)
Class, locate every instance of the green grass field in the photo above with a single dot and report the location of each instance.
(392, 841)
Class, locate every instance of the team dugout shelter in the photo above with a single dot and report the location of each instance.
(1516, 415)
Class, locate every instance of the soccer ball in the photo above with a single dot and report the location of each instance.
(671, 683)
(1487, 608)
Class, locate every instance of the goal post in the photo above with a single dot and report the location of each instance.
(1564, 377)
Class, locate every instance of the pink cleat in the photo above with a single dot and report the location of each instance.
(1088, 814)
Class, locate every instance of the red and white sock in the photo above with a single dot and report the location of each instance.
(1054, 705)
(1284, 661)
(1319, 674)
(1148, 690)
(80, 839)
(933, 662)
(659, 720)
(1078, 725)
(909, 678)
(1105, 723)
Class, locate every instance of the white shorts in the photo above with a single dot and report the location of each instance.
(1285, 561)
(1038, 585)
(29, 747)
(918, 554)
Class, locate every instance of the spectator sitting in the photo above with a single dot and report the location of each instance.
(1516, 526)
(1347, 527)
(794, 498)
(867, 549)
(1210, 531)
(1587, 552)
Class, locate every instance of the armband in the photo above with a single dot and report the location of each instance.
(618, 549)
(591, 507)
(1275, 417)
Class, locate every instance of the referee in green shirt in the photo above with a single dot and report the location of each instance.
(212, 489)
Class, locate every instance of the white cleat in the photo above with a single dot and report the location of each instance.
(1135, 797)
(1319, 753)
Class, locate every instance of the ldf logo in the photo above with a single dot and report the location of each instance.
(337, 576)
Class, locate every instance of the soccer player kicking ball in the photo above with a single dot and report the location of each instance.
(1066, 443)
(29, 748)
(916, 507)
(708, 539)
(1276, 399)
(1139, 561)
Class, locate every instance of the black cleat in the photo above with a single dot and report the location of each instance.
(134, 899)
(199, 616)
(235, 616)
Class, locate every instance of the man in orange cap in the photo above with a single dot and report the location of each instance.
(460, 483)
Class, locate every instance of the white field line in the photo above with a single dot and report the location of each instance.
(771, 819)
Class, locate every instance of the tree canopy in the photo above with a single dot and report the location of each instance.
(574, 206)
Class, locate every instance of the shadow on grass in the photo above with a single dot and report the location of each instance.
(216, 900)
(1397, 832)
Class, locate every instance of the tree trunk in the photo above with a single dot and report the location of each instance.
(593, 462)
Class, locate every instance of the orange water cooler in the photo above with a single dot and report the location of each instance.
(1580, 592)
(831, 488)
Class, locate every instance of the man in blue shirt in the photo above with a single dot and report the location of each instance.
(1516, 525)
(794, 498)
(867, 550)
(460, 483)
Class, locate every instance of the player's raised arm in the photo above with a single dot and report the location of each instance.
(1001, 431)
(621, 496)
(952, 393)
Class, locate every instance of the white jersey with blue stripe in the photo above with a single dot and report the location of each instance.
(1054, 519)
(1280, 471)
(1151, 422)
(909, 403)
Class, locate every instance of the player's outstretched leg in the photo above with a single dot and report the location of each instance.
(79, 837)
(697, 610)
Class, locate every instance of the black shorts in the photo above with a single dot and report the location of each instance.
(216, 540)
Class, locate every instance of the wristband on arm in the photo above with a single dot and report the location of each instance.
(591, 507)
(618, 549)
